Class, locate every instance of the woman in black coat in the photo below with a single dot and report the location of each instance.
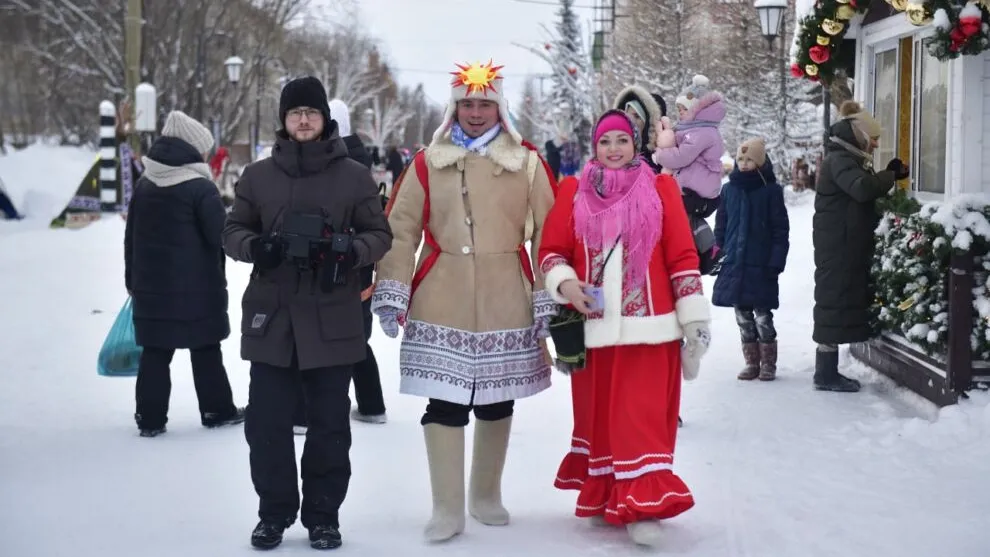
(845, 219)
(175, 276)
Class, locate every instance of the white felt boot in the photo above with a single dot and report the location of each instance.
(445, 451)
(491, 442)
(646, 532)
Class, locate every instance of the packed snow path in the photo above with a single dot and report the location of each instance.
(777, 469)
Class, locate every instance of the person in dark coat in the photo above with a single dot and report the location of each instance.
(645, 109)
(843, 225)
(173, 270)
(753, 229)
(394, 163)
(309, 218)
(367, 380)
(552, 155)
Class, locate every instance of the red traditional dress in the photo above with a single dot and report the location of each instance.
(626, 400)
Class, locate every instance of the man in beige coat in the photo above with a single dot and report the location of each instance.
(474, 314)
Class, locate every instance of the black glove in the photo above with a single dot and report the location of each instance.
(900, 170)
(266, 252)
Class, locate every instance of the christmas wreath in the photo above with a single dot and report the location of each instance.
(911, 268)
(961, 27)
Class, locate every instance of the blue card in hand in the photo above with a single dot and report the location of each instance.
(598, 294)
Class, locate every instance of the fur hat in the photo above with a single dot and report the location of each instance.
(304, 91)
(753, 149)
(477, 81)
(689, 96)
(864, 125)
(184, 127)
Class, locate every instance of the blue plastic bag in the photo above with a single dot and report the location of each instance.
(120, 354)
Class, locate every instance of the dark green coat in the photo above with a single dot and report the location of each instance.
(845, 218)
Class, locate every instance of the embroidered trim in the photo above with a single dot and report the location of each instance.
(495, 365)
(390, 293)
(543, 305)
(551, 261)
(687, 285)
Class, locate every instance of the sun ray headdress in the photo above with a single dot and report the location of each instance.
(477, 81)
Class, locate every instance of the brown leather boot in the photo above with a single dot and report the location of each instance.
(768, 361)
(751, 353)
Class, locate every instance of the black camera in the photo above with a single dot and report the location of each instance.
(309, 242)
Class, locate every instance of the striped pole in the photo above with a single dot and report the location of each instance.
(108, 156)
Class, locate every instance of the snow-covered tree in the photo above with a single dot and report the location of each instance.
(573, 103)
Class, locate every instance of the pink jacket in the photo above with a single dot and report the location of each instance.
(696, 159)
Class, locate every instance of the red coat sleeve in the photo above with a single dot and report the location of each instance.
(680, 254)
(557, 243)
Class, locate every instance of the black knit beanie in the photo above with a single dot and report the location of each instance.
(304, 91)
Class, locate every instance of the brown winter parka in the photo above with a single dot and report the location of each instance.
(284, 310)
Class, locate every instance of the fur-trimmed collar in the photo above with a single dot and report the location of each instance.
(503, 151)
(704, 102)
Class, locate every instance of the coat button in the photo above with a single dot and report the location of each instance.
(466, 250)
(468, 221)
(464, 190)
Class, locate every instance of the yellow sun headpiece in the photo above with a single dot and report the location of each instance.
(477, 77)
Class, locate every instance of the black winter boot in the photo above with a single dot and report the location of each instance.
(268, 534)
(827, 376)
(212, 420)
(324, 537)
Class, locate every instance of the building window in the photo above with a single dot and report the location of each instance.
(931, 121)
(885, 93)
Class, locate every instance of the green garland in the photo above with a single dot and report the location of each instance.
(910, 274)
(961, 28)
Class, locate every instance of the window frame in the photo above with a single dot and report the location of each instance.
(920, 53)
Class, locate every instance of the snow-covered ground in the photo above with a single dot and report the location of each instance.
(778, 470)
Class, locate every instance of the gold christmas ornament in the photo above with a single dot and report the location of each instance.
(898, 5)
(832, 27)
(811, 70)
(824, 39)
(916, 14)
(845, 12)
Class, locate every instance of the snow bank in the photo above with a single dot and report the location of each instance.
(41, 179)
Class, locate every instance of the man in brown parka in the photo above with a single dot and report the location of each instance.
(302, 319)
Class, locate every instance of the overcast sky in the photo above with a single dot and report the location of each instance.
(424, 38)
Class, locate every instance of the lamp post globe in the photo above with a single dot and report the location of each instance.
(234, 65)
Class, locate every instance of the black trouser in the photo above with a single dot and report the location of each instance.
(452, 414)
(326, 465)
(154, 385)
(367, 382)
(756, 325)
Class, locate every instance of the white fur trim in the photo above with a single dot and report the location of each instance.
(644, 97)
(503, 151)
(617, 331)
(693, 308)
(555, 278)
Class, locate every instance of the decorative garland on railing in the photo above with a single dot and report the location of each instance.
(961, 27)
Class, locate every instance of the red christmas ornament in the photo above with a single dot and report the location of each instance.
(572, 70)
(970, 26)
(852, 3)
(546, 46)
(958, 39)
(819, 54)
(796, 70)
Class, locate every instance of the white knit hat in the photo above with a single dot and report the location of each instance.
(181, 126)
(477, 81)
(692, 93)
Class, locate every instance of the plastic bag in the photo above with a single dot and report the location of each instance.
(120, 354)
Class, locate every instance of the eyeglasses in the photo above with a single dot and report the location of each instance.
(296, 114)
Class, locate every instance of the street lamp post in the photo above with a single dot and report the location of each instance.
(772, 15)
(201, 43)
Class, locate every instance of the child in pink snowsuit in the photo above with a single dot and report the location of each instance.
(692, 150)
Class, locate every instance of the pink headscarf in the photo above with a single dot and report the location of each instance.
(623, 201)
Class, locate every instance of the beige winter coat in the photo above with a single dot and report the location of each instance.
(470, 324)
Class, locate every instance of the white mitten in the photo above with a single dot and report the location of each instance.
(697, 337)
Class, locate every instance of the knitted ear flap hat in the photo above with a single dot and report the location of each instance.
(477, 81)
(689, 96)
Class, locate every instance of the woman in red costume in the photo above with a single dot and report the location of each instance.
(646, 325)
